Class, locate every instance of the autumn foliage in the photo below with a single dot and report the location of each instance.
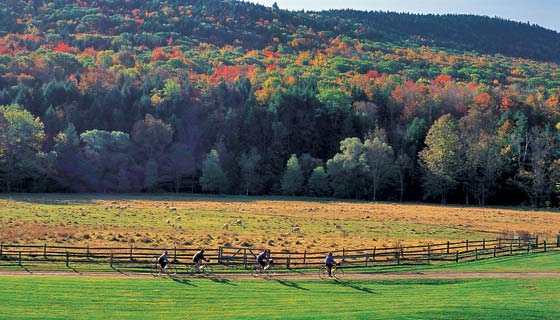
(267, 84)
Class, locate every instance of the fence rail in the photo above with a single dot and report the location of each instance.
(244, 258)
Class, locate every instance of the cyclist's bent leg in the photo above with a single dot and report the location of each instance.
(269, 264)
(329, 269)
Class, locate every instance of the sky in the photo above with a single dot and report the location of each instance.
(541, 12)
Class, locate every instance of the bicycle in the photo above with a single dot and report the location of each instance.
(205, 269)
(336, 273)
(267, 271)
(169, 270)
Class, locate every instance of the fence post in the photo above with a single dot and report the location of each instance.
(220, 255)
(374, 249)
(457, 256)
(67, 259)
(494, 251)
(367, 258)
(483, 244)
(1, 245)
(288, 262)
(111, 260)
(511, 248)
(398, 258)
(447, 247)
(131, 253)
(544, 245)
(402, 251)
(476, 253)
(467, 243)
(558, 240)
(536, 241)
(343, 254)
(429, 253)
(87, 251)
(305, 257)
(19, 259)
(245, 258)
(45, 251)
(528, 246)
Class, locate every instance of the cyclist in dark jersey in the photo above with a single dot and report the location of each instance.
(163, 260)
(330, 263)
(263, 260)
(198, 258)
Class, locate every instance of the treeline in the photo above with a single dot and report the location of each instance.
(494, 150)
(457, 31)
(132, 96)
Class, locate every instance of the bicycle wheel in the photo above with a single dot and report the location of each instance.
(207, 269)
(155, 269)
(269, 272)
(323, 273)
(191, 269)
(171, 270)
(338, 273)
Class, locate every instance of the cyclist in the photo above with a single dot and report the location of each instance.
(163, 260)
(264, 261)
(330, 263)
(198, 258)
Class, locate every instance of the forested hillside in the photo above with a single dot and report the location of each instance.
(232, 97)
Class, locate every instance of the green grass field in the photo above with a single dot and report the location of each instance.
(167, 298)
(98, 298)
(541, 262)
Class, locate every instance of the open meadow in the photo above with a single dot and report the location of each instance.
(168, 298)
(266, 222)
(490, 289)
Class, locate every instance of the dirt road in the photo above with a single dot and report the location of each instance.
(293, 276)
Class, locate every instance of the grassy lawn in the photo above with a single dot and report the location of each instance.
(97, 298)
(194, 220)
(541, 262)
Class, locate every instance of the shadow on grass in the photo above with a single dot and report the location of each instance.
(222, 281)
(183, 281)
(290, 284)
(353, 286)
(119, 271)
(74, 269)
(25, 268)
(54, 199)
(92, 198)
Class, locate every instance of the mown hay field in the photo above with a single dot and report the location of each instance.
(166, 220)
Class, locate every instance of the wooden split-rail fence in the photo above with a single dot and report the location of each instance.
(245, 258)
